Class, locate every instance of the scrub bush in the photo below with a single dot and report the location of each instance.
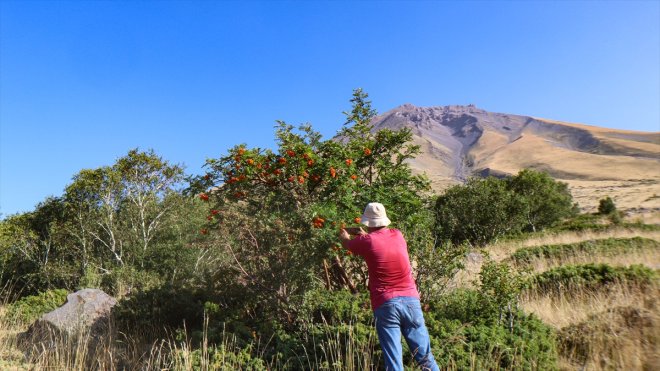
(29, 308)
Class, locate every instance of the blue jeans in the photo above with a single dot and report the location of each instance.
(403, 315)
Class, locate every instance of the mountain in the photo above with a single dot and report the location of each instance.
(458, 142)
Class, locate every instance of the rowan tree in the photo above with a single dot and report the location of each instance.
(275, 214)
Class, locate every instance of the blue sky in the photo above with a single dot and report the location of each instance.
(83, 82)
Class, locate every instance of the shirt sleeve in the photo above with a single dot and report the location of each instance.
(358, 244)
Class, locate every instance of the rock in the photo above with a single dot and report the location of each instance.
(85, 312)
(475, 258)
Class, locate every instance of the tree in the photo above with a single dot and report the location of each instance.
(34, 249)
(483, 210)
(275, 214)
(546, 201)
(477, 212)
(117, 211)
(606, 206)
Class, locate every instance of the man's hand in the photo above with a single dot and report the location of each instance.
(343, 235)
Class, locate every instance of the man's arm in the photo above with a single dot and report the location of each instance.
(344, 237)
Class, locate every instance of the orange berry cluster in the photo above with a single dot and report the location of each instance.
(318, 222)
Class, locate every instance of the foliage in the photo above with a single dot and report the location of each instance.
(33, 250)
(30, 308)
(119, 210)
(436, 261)
(483, 210)
(606, 206)
(609, 246)
(275, 214)
(466, 335)
(546, 201)
(126, 222)
(500, 286)
(592, 276)
(167, 306)
(478, 212)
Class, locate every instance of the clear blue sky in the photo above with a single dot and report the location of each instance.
(82, 82)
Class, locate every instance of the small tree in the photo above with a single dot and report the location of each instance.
(483, 210)
(546, 201)
(275, 214)
(500, 285)
(478, 212)
(606, 206)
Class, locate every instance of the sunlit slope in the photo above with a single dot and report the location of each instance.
(462, 141)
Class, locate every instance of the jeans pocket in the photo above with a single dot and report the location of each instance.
(386, 315)
(415, 314)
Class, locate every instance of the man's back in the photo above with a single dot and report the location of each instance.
(386, 254)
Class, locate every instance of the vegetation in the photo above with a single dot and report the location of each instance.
(606, 206)
(618, 338)
(610, 246)
(29, 308)
(484, 210)
(592, 276)
(240, 267)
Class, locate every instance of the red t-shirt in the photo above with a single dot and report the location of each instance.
(390, 274)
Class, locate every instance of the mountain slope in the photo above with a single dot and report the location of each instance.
(462, 141)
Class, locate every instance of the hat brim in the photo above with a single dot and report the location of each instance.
(375, 222)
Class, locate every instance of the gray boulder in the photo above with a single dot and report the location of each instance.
(86, 312)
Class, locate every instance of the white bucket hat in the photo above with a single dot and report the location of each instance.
(374, 215)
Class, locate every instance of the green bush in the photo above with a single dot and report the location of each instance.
(226, 356)
(483, 210)
(166, 307)
(335, 307)
(465, 336)
(606, 206)
(477, 212)
(592, 276)
(610, 246)
(29, 308)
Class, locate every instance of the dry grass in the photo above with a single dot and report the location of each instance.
(571, 308)
(502, 250)
(648, 258)
(621, 338)
(617, 328)
(614, 329)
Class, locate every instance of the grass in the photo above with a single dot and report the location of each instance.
(616, 327)
(619, 338)
(612, 251)
(503, 249)
(561, 309)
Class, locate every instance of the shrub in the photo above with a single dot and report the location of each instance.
(592, 276)
(500, 287)
(465, 336)
(477, 212)
(29, 308)
(483, 210)
(606, 206)
(166, 307)
(610, 246)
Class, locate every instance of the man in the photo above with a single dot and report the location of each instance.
(394, 296)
